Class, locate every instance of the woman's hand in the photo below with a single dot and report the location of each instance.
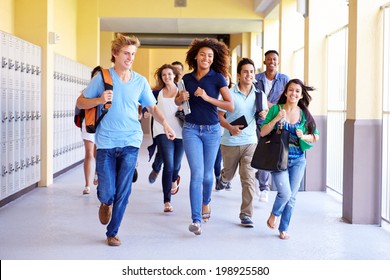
(201, 93)
(299, 134)
(281, 115)
(183, 96)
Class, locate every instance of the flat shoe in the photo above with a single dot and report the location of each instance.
(283, 235)
(168, 209)
(269, 224)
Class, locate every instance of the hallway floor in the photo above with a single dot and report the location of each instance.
(59, 223)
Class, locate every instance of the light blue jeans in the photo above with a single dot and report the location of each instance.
(201, 144)
(287, 184)
(115, 169)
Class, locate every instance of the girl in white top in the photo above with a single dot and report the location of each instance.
(90, 149)
(172, 152)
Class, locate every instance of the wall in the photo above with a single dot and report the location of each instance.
(7, 16)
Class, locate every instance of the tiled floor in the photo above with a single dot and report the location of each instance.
(59, 223)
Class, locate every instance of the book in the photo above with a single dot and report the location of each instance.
(240, 121)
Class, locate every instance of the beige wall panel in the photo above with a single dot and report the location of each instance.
(7, 16)
(65, 25)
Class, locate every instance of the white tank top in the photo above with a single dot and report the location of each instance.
(168, 107)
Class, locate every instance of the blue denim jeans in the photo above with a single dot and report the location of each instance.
(115, 169)
(263, 177)
(158, 161)
(172, 154)
(201, 143)
(287, 184)
(218, 164)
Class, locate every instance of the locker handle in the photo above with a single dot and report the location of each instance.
(3, 62)
(4, 171)
(10, 64)
(17, 66)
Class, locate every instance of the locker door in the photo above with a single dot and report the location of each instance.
(10, 87)
(4, 86)
(4, 171)
(22, 158)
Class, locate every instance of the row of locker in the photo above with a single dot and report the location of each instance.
(20, 78)
(20, 86)
(20, 103)
(70, 78)
(21, 164)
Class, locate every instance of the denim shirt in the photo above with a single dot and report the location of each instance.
(278, 84)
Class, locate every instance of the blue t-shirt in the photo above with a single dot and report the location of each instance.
(120, 127)
(202, 112)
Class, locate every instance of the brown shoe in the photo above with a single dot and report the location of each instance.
(113, 241)
(105, 213)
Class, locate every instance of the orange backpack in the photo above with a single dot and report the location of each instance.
(92, 117)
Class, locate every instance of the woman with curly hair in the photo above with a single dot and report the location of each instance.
(209, 60)
(293, 114)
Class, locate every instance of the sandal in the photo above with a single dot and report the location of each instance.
(206, 215)
(87, 190)
(95, 179)
(270, 224)
(168, 208)
(283, 235)
(175, 188)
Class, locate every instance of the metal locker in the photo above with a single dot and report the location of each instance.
(16, 157)
(11, 168)
(22, 158)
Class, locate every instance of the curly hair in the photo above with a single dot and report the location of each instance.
(158, 75)
(123, 41)
(221, 60)
(303, 103)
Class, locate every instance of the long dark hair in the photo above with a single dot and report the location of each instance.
(221, 59)
(303, 103)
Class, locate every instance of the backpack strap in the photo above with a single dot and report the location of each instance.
(107, 80)
(108, 85)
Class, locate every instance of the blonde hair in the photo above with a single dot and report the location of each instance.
(121, 41)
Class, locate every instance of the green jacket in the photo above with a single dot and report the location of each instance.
(273, 112)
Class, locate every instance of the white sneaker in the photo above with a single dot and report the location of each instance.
(264, 196)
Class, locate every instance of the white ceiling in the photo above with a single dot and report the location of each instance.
(189, 25)
(180, 25)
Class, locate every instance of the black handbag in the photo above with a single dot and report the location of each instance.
(271, 152)
(181, 116)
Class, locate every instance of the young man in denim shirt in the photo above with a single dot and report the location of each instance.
(270, 84)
